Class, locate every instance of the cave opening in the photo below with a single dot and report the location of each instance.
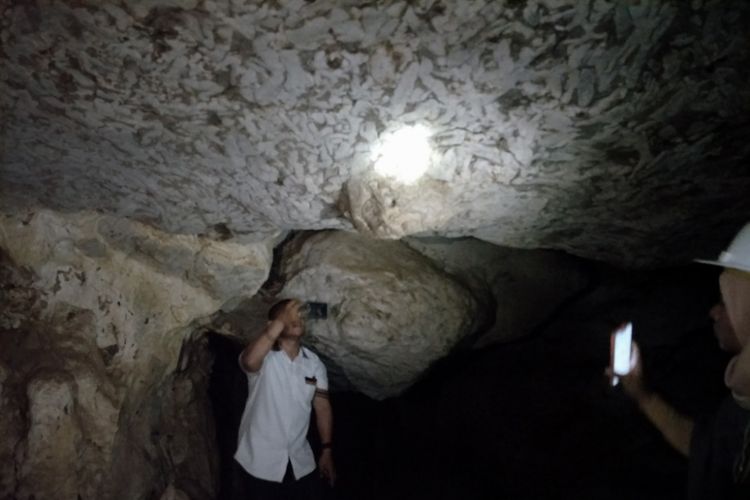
(531, 418)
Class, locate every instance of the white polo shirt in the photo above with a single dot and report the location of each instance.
(273, 429)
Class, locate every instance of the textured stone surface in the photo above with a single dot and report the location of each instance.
(391, 312)
(608, 129)
(96, 400)
(612, 130)
(519, 289)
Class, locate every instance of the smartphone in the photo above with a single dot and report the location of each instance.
(620, 344)
(315, 310)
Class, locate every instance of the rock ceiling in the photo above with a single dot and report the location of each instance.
(612, 130)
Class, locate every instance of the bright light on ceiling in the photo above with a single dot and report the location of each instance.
(404, 154)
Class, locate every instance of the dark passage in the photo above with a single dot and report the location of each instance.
(228, 392)
(533, 419)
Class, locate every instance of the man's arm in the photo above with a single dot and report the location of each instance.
(324, 421)
(255, 352)
(676, 428)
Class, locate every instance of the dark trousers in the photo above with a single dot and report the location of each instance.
(308, 487)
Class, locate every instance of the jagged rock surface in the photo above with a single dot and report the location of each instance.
(392, 312)
(95, 397)
(608, 129)
(611, 130)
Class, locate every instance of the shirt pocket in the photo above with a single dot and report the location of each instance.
(309, 384)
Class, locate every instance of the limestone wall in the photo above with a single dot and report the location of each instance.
(96, 314)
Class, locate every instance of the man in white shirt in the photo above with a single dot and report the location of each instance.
(285, 381)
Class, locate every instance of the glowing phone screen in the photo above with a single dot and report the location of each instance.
(621, 347)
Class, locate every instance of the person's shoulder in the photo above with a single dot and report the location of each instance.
(275, 354)
(272, 356)
(311, 356)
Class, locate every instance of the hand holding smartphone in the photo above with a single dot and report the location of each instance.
(621, 345)
(314, 310)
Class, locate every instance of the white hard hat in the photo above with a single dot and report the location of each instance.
(737, 256)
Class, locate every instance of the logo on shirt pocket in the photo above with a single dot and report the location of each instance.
(311, 380)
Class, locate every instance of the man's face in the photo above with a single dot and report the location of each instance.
(723, 329)
(294, 326)
(735, 292)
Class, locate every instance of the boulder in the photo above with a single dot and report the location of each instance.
(391, 311)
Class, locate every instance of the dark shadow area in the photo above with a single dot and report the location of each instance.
(532, 419)
(228, 392)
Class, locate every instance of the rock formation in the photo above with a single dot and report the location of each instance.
(154, 153)
(518, 289)
(605, 129)
(391, 311)
(94, 331)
